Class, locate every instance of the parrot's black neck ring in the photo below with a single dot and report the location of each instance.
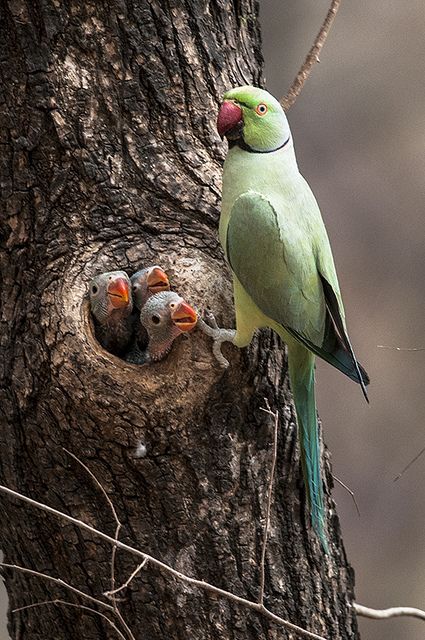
(240, 142)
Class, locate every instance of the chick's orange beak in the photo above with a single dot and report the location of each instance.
(229, 116)
(184, 317)
(158, 280)
(119, 293)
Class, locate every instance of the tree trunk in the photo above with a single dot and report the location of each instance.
(110, 160)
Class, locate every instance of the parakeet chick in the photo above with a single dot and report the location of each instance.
(146, 282)
(111, 306)
(164, 316)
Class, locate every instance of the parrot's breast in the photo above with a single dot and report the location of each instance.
(273, 235)
(273, 175)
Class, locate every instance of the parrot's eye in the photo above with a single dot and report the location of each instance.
(94, 289)
(261, 109)
(134, 287)
(172, 305)
(156, 319)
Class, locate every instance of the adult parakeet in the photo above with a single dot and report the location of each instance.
(111, 306)
(164, 316)
(146, 282)
(284, 276)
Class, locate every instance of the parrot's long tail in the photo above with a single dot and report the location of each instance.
(301, 373)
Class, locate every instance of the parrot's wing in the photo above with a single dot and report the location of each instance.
(277, 266)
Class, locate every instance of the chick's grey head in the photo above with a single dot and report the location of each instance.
(110, 295)
(147, 282)
(166, 315)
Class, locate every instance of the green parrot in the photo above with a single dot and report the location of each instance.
(284, 277)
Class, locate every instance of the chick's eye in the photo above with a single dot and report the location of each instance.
(94, 289)
(156, 319)
(261, 109)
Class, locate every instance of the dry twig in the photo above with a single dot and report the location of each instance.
(269, 501)
(114, 549)
(59, 582)
(311, 59)
(418, 455)
(392, 612)
(385, 346)
(127, 582)
(69, 587)
(114, 513)
(68, 604)
(201, 584)
(347, 488)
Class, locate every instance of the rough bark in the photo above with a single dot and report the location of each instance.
(109, 160)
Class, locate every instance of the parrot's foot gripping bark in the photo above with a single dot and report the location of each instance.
(218, 335)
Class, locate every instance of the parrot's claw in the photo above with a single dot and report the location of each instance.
(211, 319)
(219, 336)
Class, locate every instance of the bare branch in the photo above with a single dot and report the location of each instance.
(269, 502)
(96, 481)
(418, 455)
(349, 491)
(384, 346)
(127, 582)
(114, 549)
(111, 505)
(205, 586)
(68, 586)
(76, 606)
(311, 59)
(393, 612)
(114, 513)
(59, 582)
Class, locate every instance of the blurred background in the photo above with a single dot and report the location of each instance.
(359, 131)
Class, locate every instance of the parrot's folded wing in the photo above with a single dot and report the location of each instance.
(273, 258)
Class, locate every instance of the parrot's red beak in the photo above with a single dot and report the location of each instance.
(230, 116)
(184, 317)
(119, 293)
(158, 280)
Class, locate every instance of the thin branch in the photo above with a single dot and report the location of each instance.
(393, 612)
(127, 582)
(113, 557)
(418, 455)
(96, 481)
(114, 548)
(60, 582)
(206, 586)
(349, 491)
(114, 513)
(385, 346)
(311, 59)
(76, 606)
(68, 586)
(269, 501)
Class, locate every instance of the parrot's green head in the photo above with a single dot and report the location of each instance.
(253, 117)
